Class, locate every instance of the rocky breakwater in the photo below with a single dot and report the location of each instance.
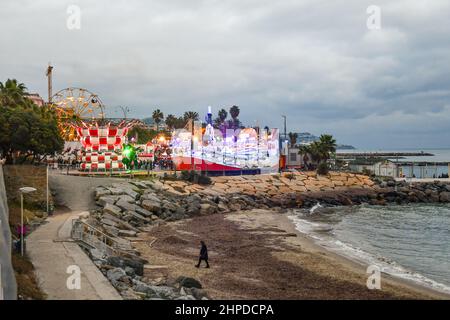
(401, 192)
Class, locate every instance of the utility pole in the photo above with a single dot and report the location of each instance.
(285, 134)
(191, 129)
(49, 83)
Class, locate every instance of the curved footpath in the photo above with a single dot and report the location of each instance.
(52, 252)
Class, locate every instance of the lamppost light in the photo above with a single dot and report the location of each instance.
(27, 189)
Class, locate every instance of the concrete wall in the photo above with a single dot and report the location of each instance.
(8, 288)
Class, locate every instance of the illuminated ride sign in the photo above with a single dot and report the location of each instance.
(210, 150)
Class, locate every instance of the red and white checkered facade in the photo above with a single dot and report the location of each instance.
(102, 147)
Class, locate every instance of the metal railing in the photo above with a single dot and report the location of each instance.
(95, 238)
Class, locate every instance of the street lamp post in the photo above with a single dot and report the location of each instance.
(284, 140)
(23, 191)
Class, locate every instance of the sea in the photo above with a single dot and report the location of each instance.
(411, 241)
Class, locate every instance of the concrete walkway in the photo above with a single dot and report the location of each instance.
(52, 252)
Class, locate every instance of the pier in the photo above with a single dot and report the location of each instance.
(382, 154)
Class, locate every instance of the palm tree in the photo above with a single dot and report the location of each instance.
(13, 92)
(234, 113)
(191, 115)
(319, 152)
(223, 114)
(293, 138)
(171, 121)
(326, 146)
(157, 116)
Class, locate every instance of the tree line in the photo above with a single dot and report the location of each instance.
(178, 122)
(28, 133)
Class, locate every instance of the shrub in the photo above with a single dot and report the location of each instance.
(322, 169)
(203, 179)
(289, 176)
(367, 172)
(195, 177)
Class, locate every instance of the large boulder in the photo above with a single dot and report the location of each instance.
(116, 191)
(140, 286)
(116, 274)
(444, 196)
(198, 294)
(122, 263)
(125, 205)
(163, 292)
(151, 205)
(127, 233)
(108, 222)
(100, 192)
(188, 282)
(112, 209)
(150, 196)
(97, 254)
(137, 217)
(133, 194)
(143, 212)
(168, 205)
(102, 201)
(126, 198)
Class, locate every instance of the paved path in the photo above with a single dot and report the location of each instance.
(77, 193)
(51, 252)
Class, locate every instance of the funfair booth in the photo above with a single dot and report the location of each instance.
(241, 151)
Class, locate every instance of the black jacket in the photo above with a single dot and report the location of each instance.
(204, 252)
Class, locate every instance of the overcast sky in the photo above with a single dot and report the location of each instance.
(315, 61)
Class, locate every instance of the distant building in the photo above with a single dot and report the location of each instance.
(151, 124)
(293, 158)
(383, 168)
(36, 98)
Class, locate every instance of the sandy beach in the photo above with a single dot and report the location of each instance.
(259, 254)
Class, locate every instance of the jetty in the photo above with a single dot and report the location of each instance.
(345, 155)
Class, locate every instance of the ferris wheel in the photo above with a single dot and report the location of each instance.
(74, 105)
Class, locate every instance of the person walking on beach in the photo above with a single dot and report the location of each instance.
(203, 255)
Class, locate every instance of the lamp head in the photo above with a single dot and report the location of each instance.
(27, 189)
